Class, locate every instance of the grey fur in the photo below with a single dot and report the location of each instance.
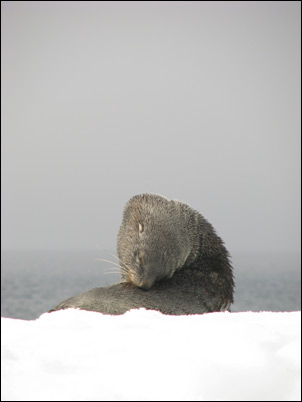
(172, 250)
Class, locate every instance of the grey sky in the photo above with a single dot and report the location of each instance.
(197, 101)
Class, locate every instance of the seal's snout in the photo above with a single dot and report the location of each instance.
(140, 281)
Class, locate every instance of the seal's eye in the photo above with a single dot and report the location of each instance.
(140, 228)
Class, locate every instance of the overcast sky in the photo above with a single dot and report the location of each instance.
(196, 101)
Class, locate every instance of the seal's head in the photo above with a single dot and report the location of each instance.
(149, 247)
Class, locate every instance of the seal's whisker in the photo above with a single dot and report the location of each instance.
(111, 262)
(114, 269)
(113, 255)
(125, 266)
(120, 261)
(125, 269)
(119, 268)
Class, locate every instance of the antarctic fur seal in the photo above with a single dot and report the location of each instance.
(171, 260)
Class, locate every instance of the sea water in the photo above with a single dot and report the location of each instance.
(33, 282)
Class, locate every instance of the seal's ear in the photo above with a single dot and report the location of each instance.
(140, 228)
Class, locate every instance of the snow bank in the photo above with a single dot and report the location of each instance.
(145, 355)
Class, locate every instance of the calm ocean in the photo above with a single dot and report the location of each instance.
(35, 281)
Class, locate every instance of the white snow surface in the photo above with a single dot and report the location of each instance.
(145, 355)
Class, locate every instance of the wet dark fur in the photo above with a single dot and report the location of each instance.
(171, 250)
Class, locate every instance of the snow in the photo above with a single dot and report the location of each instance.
(145, 355)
